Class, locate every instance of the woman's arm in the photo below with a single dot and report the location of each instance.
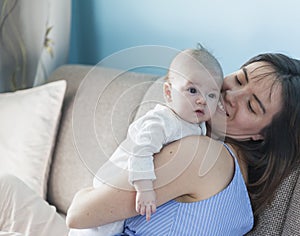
(92, 207)
(176, 167)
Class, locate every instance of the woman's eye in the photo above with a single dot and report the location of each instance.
(237, 80)
(192, 90)
(250, 107)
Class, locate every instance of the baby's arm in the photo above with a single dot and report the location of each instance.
(147, 136)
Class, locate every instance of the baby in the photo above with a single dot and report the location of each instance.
(191, 90)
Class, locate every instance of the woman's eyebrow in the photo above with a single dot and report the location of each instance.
(246, 74)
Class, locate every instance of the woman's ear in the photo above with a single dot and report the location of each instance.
(257, 137)
(167, 91)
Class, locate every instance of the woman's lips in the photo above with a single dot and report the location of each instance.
(222, 108)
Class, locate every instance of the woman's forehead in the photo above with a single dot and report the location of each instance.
(258, 70)
(265, 84)
(262, 75)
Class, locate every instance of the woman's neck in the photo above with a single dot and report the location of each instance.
(242, 163)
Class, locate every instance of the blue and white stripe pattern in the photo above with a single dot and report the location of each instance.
(227, 213)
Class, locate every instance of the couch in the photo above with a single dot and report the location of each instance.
(95, 119)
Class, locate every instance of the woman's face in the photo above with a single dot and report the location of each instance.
(249, 102)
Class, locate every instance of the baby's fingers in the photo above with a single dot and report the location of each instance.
(153, 208)
(137, 207)
(142, 209)
(148, 212)
(150, 208)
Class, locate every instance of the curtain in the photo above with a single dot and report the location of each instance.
(34, 40)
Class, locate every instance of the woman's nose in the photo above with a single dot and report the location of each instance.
(234, 96)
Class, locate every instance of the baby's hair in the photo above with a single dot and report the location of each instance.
(203, 56)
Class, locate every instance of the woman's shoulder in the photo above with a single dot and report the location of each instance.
(203, 166)
(213, 168)
(202, 151)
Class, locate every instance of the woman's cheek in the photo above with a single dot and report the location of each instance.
(241, 121)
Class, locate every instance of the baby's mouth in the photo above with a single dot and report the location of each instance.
(199, 112)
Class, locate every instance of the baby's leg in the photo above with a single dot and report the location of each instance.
(105, 230)
(2, 233)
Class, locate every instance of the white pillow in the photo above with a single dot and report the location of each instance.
(28, 126)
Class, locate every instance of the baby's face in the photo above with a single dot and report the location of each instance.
(193, 91)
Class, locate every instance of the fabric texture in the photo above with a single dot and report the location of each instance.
(29, 121)
(276, 217)
(23, 212)
(228, 212)
(292, 221)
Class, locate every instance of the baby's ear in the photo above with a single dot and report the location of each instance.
(167, 92)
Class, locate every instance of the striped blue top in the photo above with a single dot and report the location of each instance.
(227, 213)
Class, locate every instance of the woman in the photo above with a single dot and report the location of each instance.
(262, 112)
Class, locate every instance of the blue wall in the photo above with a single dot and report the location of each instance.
(233, 30)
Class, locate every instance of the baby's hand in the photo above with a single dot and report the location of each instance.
(146, 203)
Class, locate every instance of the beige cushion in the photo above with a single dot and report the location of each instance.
(29, 120)
(92, 125)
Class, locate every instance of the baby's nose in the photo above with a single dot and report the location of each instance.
(201, 100)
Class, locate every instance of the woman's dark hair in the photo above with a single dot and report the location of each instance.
(272, 159)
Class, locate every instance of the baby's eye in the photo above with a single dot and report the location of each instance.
(192, 90)
(212, 95)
